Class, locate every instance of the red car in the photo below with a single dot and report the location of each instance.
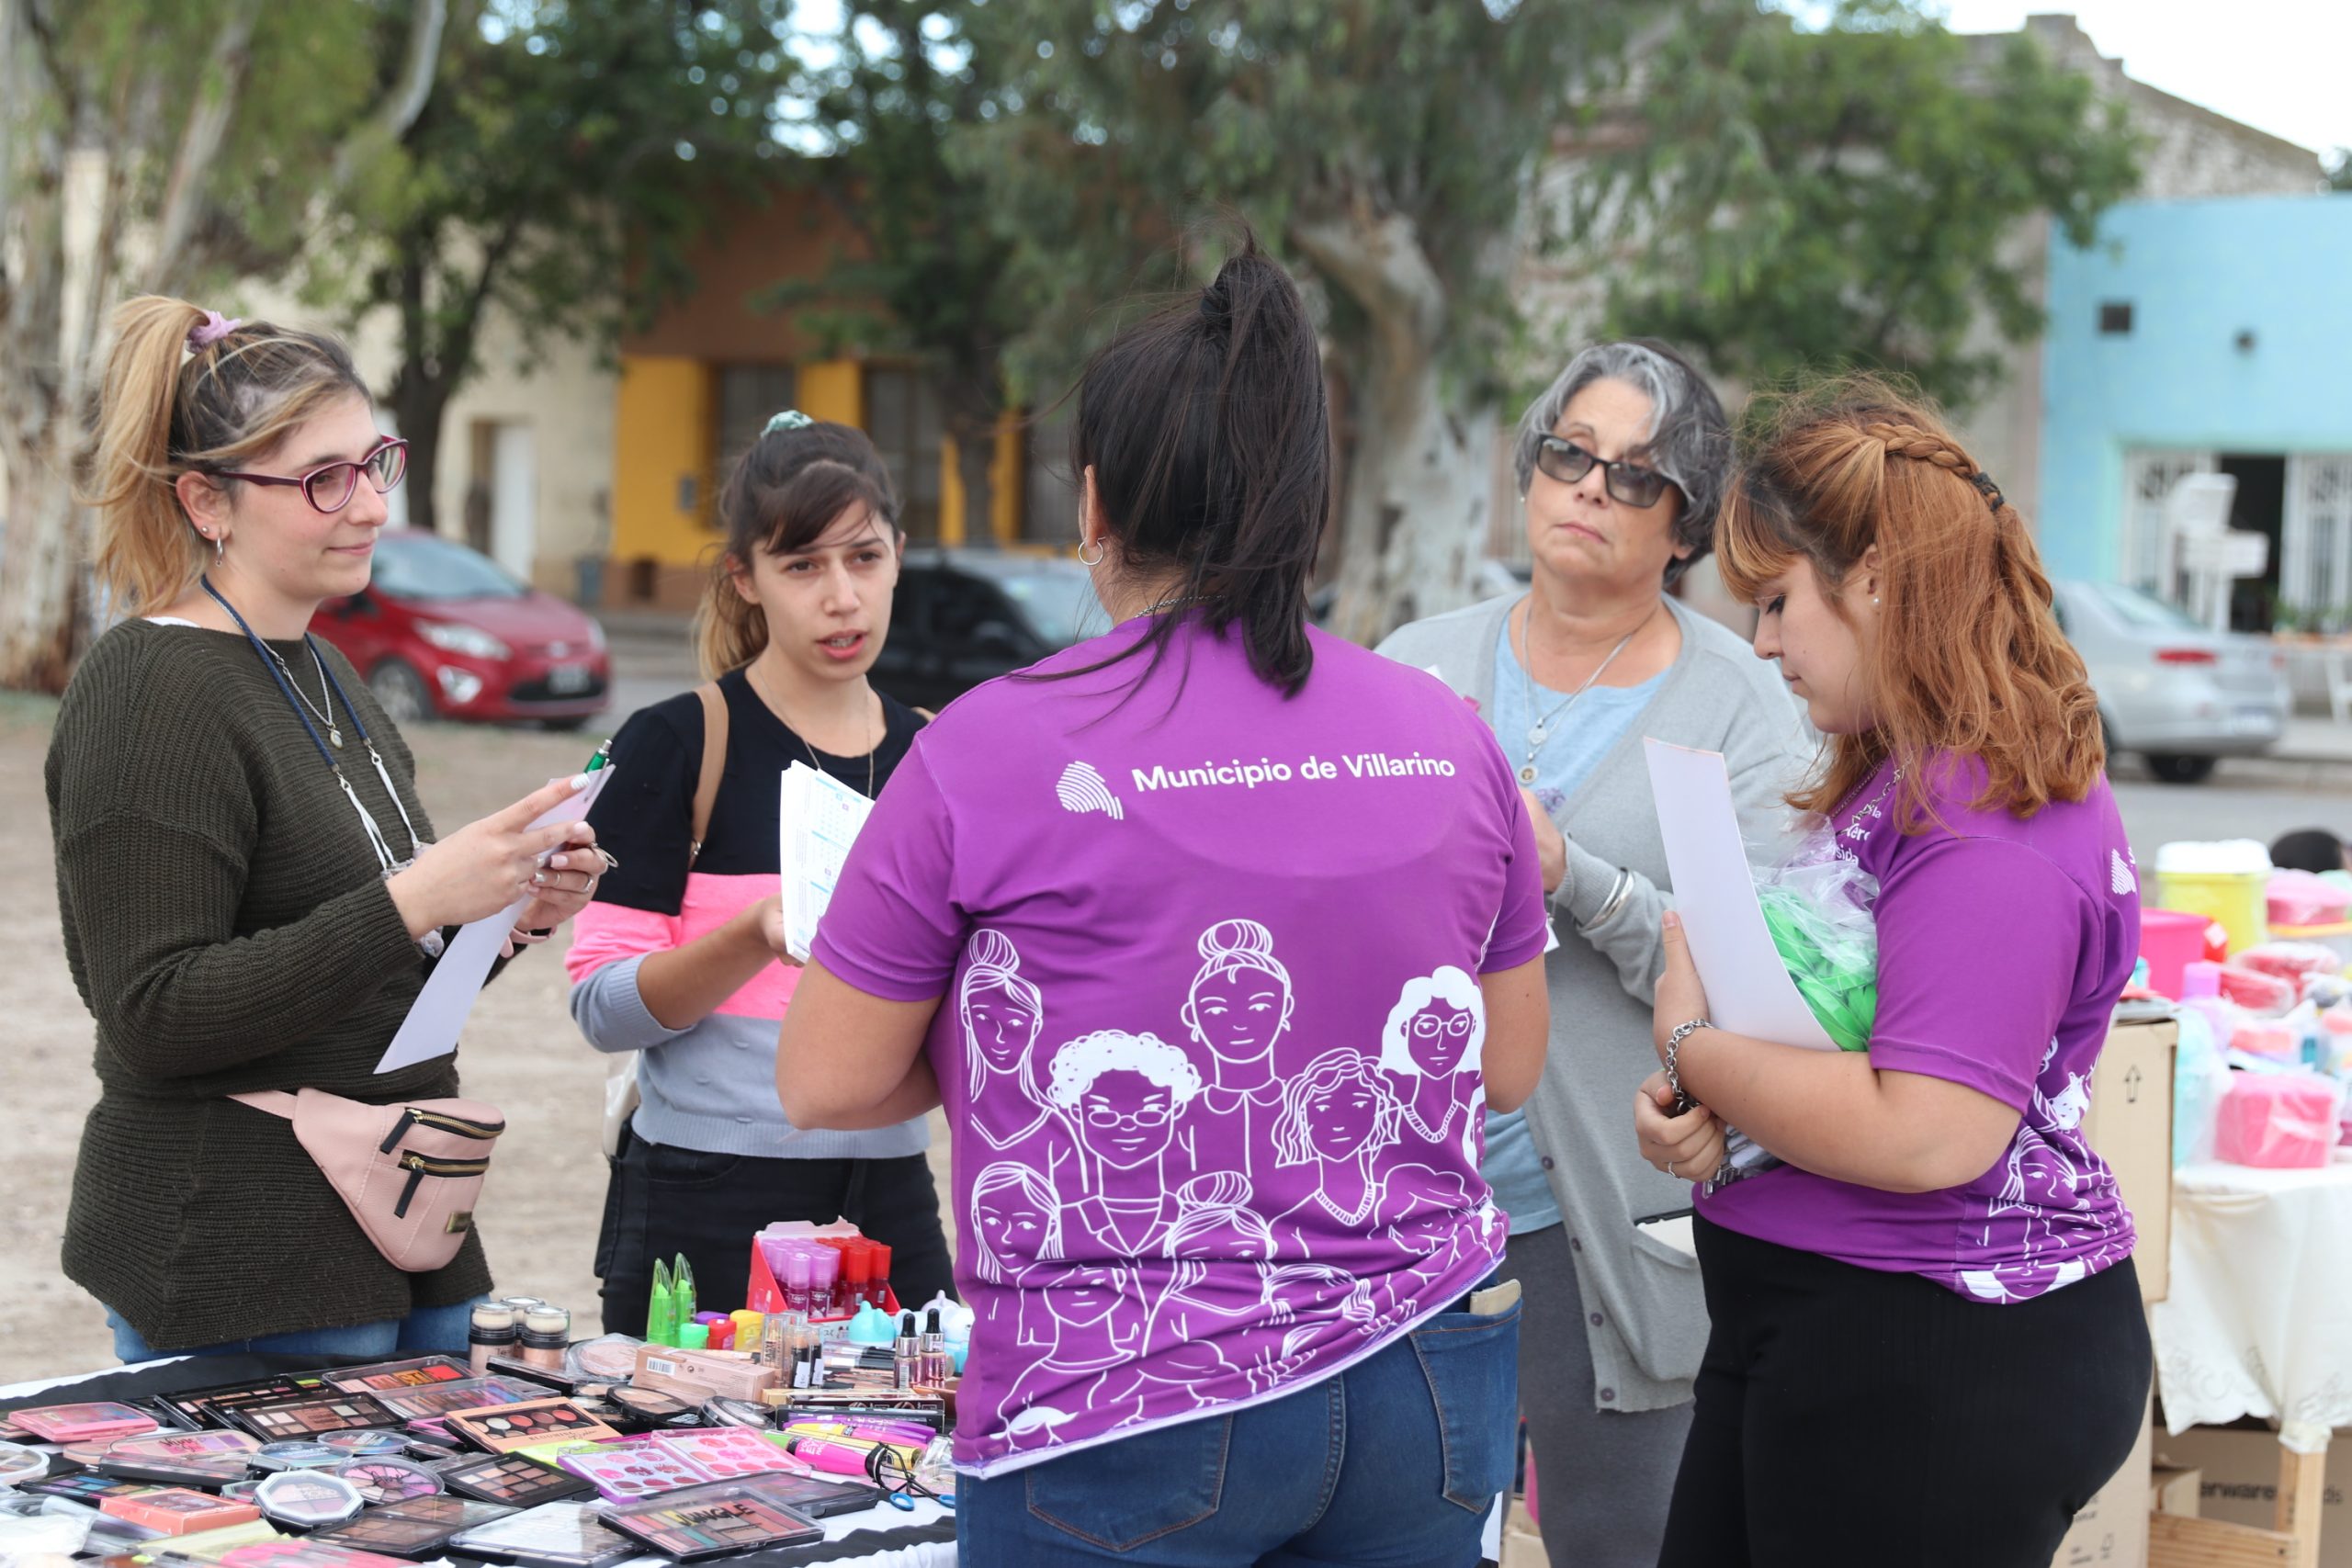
(442, 631)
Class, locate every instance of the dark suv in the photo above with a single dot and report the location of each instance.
(964, 616)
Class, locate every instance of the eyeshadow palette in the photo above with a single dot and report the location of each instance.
(432, 1429)
(649, 1405)
(553, 1535)
(390, 1479)
(210, 1472)
(178, 1511)
(210, 1546)
(417, 1528)
(384, 1375)
(309, 1499)
(307, 1415)
(298, 1454)
(714, 1521)
(206, 1406)
(728, 1454)
(821, 1496)
(631, 1471)
(501, 1429)
(82, 1486)
(467, 1393)
(510, 1479)
(101, 1422)
(184, 1445)
(305, 1554)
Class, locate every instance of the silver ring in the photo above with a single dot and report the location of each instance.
(1669, 1171)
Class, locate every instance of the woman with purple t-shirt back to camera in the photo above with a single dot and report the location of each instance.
(1222, 1256)
(1932, 1304)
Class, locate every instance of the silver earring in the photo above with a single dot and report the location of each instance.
(219, 548)
(1873, 598)
(1097, 558)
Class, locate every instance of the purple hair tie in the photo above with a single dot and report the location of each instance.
(210, 331)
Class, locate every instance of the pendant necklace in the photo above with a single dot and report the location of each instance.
(750, 675)
(334, 735)
(1541, 730)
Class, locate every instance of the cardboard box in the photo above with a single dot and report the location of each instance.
(1522, 1545)
(2173, 1490)
(2111, 1532)
(2129, 1126)
(2239, 1469)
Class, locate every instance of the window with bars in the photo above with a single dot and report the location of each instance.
(902, 415)
(749, 396)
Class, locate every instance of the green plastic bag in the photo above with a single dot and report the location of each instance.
(1818, 907)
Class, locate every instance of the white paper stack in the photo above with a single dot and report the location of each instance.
(818, 818)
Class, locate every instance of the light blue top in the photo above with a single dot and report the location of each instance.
(1577, 740)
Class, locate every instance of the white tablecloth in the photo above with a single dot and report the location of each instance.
(2259, 1319)
(931, 1554)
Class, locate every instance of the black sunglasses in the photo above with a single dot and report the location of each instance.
(1629, 482)
(331, 488)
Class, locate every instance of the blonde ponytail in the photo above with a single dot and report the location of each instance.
(164, 410)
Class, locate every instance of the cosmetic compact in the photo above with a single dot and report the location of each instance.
(18, 1462)
(309, 1499)
(398, 1533)
(204, 1471)
(308, 1415)
(299, 1455)
(363, 1442)
(505, 1427)
(305, 1553)
(175, 1510)
(390, 1479)
(465, 1393)
(89, 1423)
(511, 1479)
(553, 1535)
(386, 1375)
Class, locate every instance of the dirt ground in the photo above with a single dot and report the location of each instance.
(520, 1053)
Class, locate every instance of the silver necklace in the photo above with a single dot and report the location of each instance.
(752, 675)
(327, 693)
(1854, 828)
(1541, 730)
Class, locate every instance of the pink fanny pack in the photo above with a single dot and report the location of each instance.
(411, 1174)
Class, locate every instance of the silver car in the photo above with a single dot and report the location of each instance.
(2181, 695)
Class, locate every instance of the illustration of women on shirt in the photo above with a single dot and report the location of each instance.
(1220, 1250)
(1001, 1014)
(1239, 1005)
(1016, 1235)
(1431, 1048)
(1122, 1094)
(1337, 1116)
(1431, 1219)
(2036, 1224)
(1090, 1370)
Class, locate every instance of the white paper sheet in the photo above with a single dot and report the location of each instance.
(431, 1027)
(1749, 988)
(818, 818)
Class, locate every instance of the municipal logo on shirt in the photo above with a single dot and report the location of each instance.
(1083, 790)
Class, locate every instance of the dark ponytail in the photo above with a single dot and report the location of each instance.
(1211, 445)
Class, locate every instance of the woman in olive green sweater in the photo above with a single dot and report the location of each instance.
(250, 890)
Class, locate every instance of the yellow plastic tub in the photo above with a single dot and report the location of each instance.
(2225, 881)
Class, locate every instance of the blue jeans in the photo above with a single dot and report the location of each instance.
(422, 1332)
(1433, 1423)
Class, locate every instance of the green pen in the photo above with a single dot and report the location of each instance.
(604, 755)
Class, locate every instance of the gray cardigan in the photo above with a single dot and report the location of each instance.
(1647, 1321)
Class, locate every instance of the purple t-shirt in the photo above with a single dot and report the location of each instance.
(2002, 947)
(1210, 1024)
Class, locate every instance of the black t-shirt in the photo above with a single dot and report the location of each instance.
(645, 818)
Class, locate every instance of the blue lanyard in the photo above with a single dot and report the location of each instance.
(376, 839)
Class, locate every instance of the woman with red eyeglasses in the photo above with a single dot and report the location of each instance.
(250, 890)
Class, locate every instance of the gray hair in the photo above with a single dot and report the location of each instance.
(1688, 441)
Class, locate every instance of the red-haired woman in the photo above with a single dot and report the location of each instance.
(1931, 1306)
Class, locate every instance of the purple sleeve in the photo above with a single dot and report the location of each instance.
(1524, 923)
(892, 929)
(1979, 943)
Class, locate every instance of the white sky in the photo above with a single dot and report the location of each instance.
(2283, 66)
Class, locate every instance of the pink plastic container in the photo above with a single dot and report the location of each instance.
(2280, 1121)
(2170, 939)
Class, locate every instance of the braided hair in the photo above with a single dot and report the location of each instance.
(1969, 662)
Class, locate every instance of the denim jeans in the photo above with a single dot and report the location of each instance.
(1392, 1463)
(421, 1332)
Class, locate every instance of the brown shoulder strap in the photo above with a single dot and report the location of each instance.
(714, 763)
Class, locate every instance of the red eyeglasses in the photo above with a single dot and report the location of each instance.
(331, 488)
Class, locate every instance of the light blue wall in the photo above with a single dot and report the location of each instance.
(2197, 274)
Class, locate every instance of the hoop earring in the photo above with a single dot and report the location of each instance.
(1100, 551)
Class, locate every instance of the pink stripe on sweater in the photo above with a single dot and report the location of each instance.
(606, 934)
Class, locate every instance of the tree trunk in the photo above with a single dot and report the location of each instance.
(420, 402)
(974, 469)
(1413, 521)
(41, 589)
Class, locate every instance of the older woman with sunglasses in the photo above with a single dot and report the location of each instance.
(1620, 463)
(251, 892)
